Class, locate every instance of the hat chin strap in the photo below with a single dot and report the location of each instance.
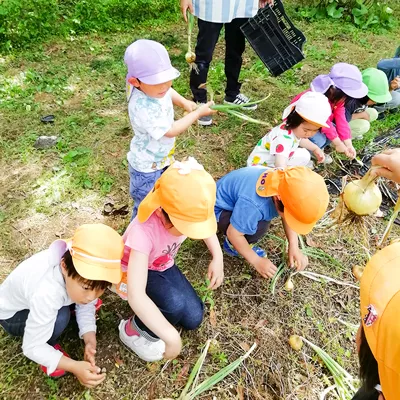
(104, 260)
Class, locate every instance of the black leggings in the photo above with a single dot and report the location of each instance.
(225, 220)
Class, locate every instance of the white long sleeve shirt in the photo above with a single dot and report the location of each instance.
(38, 285)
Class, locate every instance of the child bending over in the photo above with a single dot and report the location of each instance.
(302, 120)
(181, 205)
(249, 198)
(35, 298)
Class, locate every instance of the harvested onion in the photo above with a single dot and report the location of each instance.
(363, 196)
(289, 285)
(296, 342)
(358, 271)
(190, 56)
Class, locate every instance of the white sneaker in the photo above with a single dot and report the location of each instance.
(241, 99)
(145, 349)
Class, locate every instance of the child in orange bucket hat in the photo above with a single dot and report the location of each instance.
(249, 198)
(35, 298)
(378, 339)
(181, 205)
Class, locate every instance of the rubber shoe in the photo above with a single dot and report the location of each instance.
(145, 349)
(205, 121)
(241, 99)
(231, 251)
(58, 373)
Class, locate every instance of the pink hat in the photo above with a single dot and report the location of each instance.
(346, 77)
(149, 62)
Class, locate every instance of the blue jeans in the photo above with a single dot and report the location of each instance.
(320, 140)
(175, 297)
(15, 325)
(141, 183)
(391, 67)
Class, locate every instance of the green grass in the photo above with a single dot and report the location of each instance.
(48, 193)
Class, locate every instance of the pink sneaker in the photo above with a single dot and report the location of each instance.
(58, 373)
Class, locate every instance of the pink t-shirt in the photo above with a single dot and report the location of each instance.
(152, 239)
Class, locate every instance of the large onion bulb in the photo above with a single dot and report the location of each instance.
(363, 196)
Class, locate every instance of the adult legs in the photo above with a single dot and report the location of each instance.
(235, 45)
(206, 40)
(390, 105)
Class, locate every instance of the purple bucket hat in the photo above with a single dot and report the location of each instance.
(149, 62)
(346, 77)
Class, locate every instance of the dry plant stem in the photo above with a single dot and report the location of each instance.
(391, 221)
(321, 278)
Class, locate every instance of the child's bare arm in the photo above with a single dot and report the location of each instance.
(145, 308)
(180, 101)
(263, 266)
(280, 161)
(216, 268)
(309, 145)
(182, 124)
(296, 257)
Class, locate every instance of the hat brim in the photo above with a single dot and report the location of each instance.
(299, 227)
(110, 272)
(149, 204)
(383, 98)
(196, 230)
(356, 93)
(161, 77)
(316, 123)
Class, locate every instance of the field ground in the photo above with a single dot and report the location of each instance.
(47, 194)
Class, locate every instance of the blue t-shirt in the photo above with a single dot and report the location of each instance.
(236, 192)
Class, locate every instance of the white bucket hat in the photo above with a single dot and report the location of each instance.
(314, 107)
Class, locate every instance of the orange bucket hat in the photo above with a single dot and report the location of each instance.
(96, 251)
(302, 192)
(187, 194)
(380, 308)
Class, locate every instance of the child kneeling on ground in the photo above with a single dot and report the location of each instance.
(249, 198)
(35, 298)
(359, 112)
(302, 120)
(181, 205)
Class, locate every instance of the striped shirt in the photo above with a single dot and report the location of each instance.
(224, 10)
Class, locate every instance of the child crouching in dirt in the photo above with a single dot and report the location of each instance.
(302, 120)
(151, 101)
(181, 205)
(249, 198)
(35, 298)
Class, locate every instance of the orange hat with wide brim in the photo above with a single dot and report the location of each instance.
(96, 251)
(380, 309)
(303, 193)
(187, 193)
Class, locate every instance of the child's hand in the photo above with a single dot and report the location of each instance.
(297, 259)
(87, 374)
(90, 351)
(351, 151)
(173, 347)
(205, 109)
(265, 267)
(189, 106)
(395, 83)
(341, 147)
(215, 273)
(319, 153)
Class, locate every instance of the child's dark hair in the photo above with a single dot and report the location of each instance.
(335, 95)
(293, 120)
(369, 373)
(279, 205)
(73, 273)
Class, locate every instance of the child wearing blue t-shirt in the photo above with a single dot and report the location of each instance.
(249, 198)
(151, 103)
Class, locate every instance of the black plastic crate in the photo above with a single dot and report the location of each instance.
(275, 39)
